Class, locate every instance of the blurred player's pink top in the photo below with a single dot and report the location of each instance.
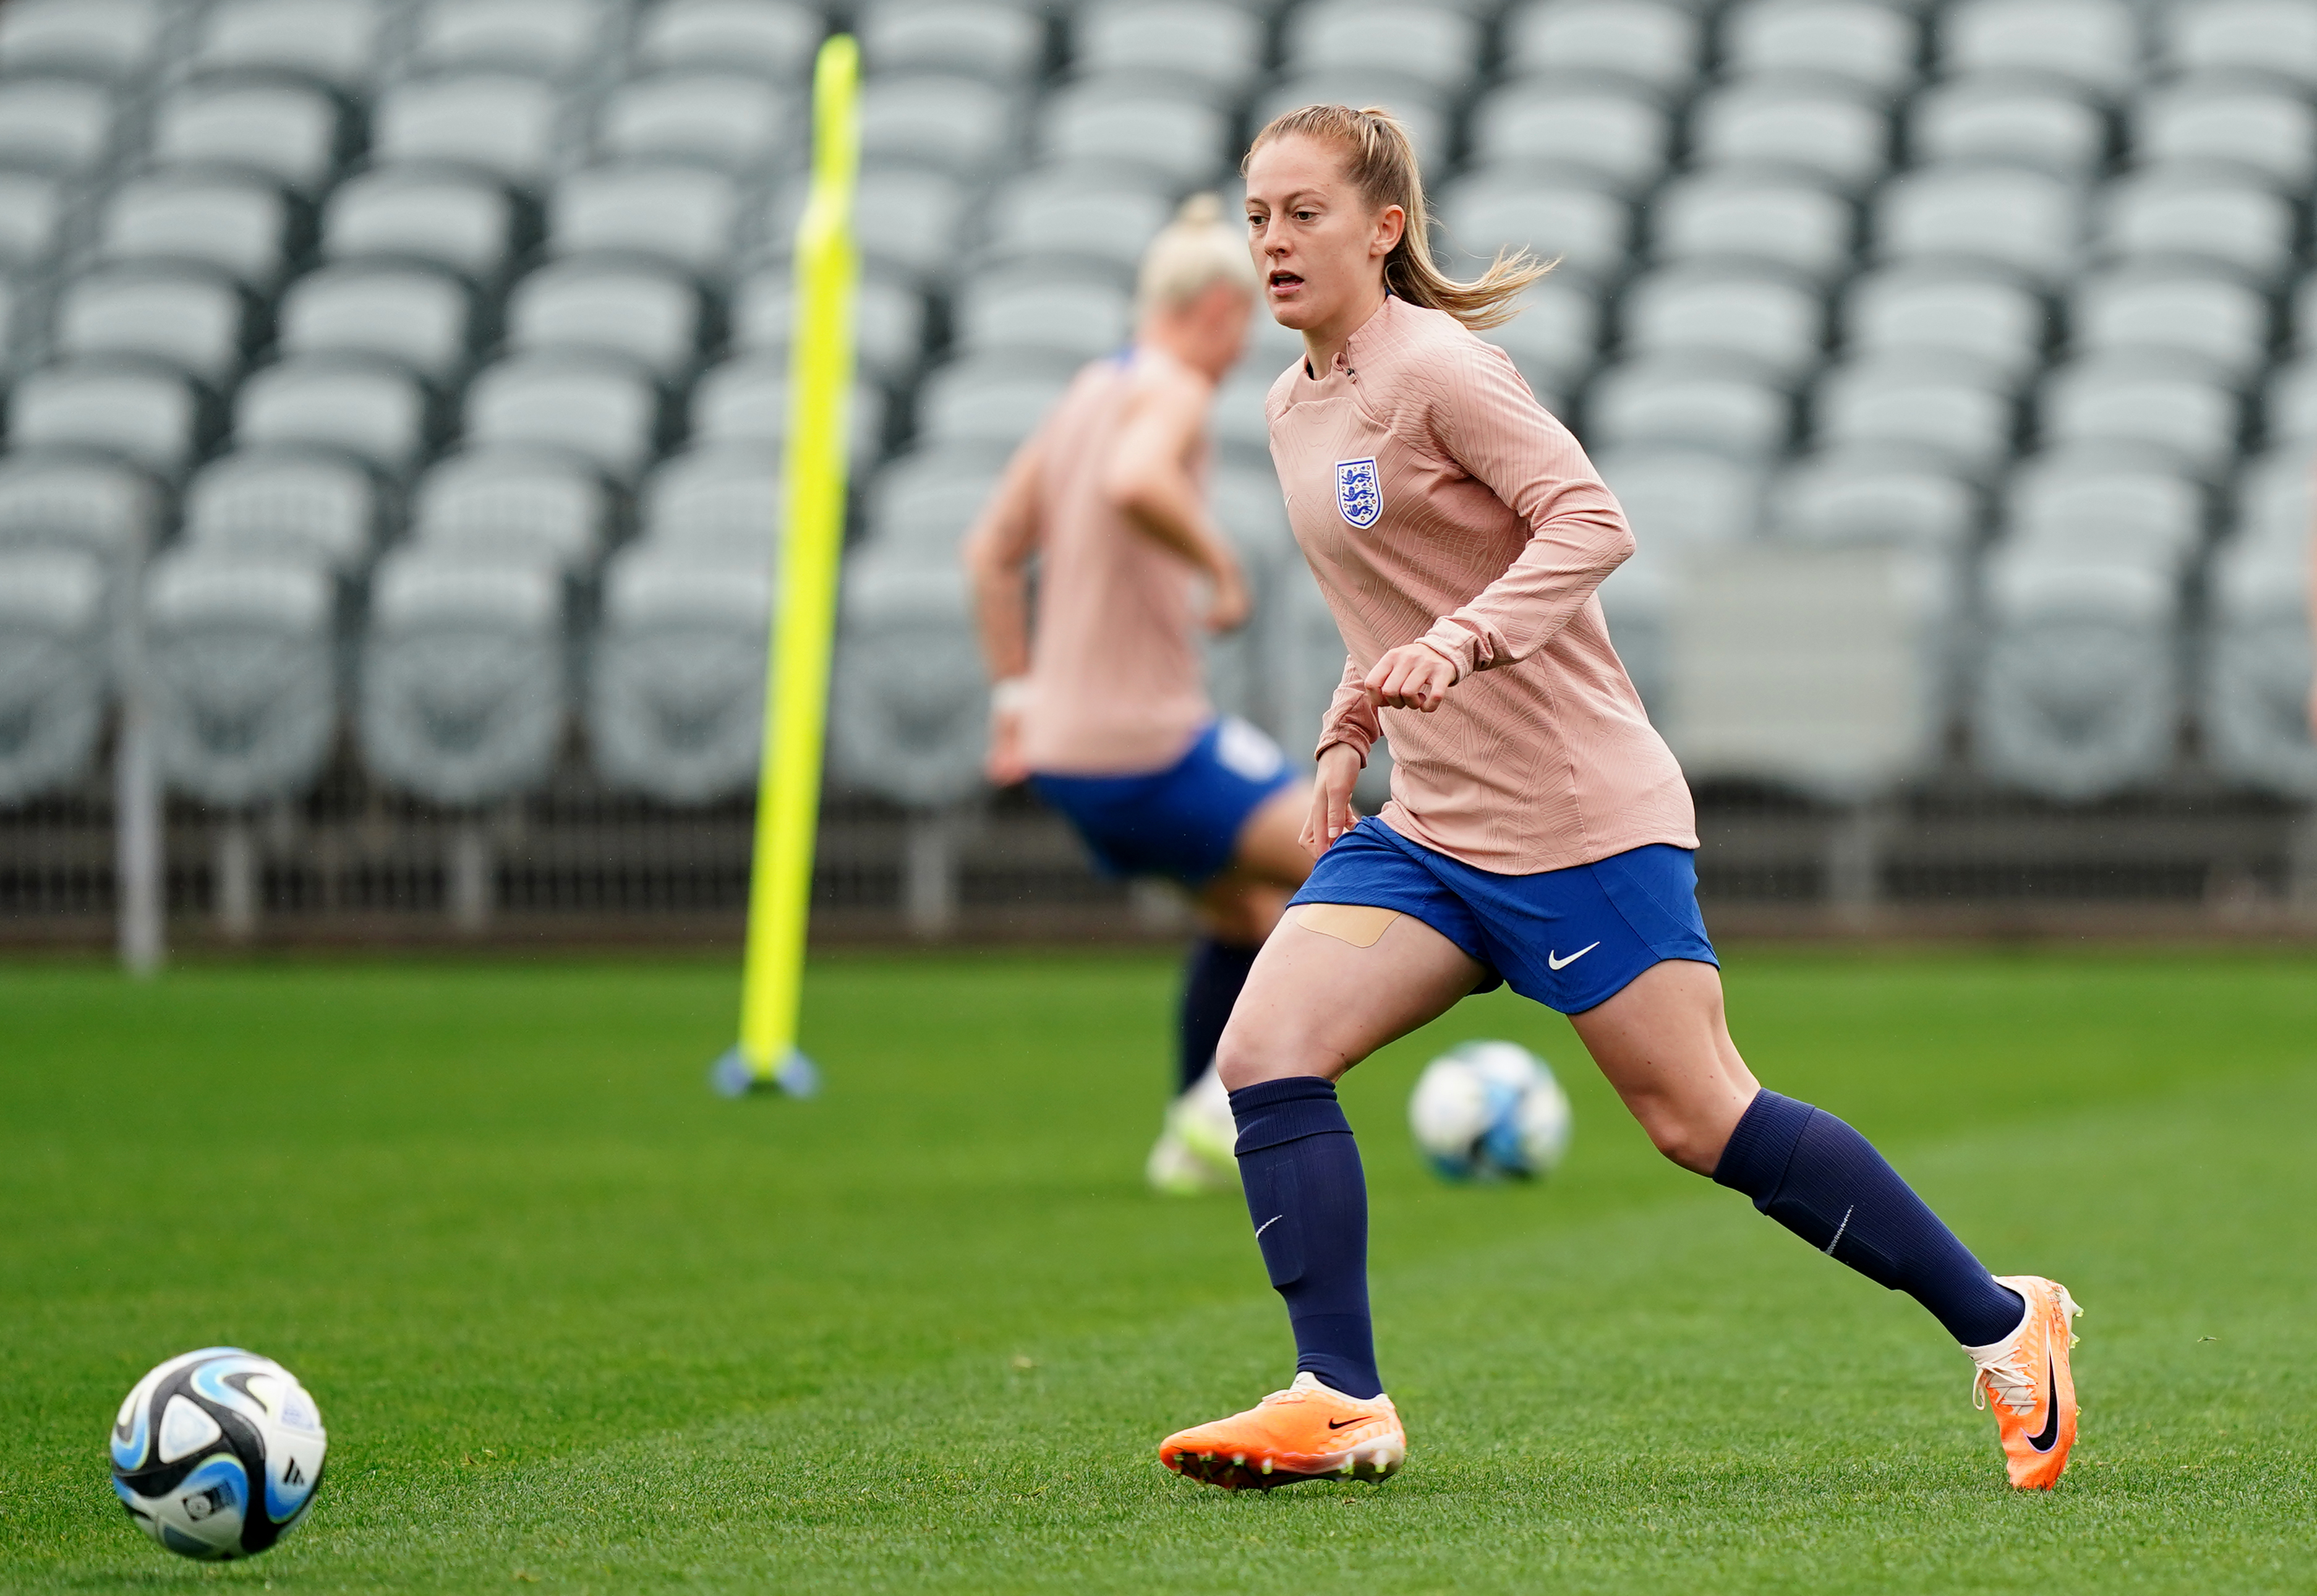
(1116, 680)
(1438, 501)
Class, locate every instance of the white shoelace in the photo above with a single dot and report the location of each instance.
(2014, 1385)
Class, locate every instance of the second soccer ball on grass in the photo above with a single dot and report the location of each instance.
(1488, 1109)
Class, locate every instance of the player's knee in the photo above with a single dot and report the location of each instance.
(1695, 1147)
(1250, 1054)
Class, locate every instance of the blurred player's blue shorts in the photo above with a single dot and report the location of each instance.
(1183, 822)
(1569, 939)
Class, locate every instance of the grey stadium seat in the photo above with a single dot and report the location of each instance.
(1871, 46)
(1688, 403)
(718, 504)
(1175, 141)
(907, 222)
(603, 410)
(1438, 47)
(1036, 311)
(676, 702)
(235, 224)
(195, 321)
(2257, 667)
(288, 132)
(1097, 215)
(1493, 209)
(678, 214)
(1822, 133)
(2199, 214)
(445, 219)
(2102, 507)
(68, 499)
(2269, 133)
(1846, 497)
(1237, 420)
(1976, 314)
(921, 505)
(888, 329)
(1681, 498)
(729, 120)
(2092, 45)
(1555, 338)
(773, 38)
(1000, 43)
(906, 723)
(2024, 221)
(2289, 403)
(511, 505)
(20, 335)
(498, 123)
(54, 637)
(462, 694)
(552, 38)
(1216, 44)
(2276, 499)
(1619, 141)
(371, 410)
(2270, 37)
(117, 41)
(418, 315)
(1424, 113)
(284, 505)
(1656, 46)
(241, 671)
(1736, 216)
(2145, 403)
(953, 123)
(645, 313)
(33, 218)
(1942, 407)
(140, 411)
(992, 403)
(2008, 121)
(336, 42)
(2224, 325)
(746, 401)
(57, 125)
(1774, 324)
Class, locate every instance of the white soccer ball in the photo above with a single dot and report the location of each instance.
(216, 1454)
(1485, 1109)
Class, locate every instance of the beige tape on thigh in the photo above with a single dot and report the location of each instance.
(1359, 924)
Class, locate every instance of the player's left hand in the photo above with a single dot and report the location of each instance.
(1411, 677)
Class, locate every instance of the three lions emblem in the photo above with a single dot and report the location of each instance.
(1359, 492)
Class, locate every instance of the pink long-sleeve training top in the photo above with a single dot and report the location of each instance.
(1438, 502)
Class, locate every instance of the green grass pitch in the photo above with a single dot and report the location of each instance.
(574, 1323)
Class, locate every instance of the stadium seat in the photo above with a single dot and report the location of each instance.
(57, 125)
(289, 133)
(2090, 45)
(1652, 45)
(462, 694)
(1827, 135)
(1176, 142)
(2104, 507)
(746, 401)
(1437, 46)
(1941, 404)
(418, 314)
(1772, 324)
(773, 38)
(1728, 216)
(985, 38)
(374, 410)
(1677, 499)
(2025, 221)
(1974, 313)
(512, 506)
(1424, 113)
(116, 41)
(908, 724)
(1872, 494)
(500, 124)
(1237, 421)
(141, 412)
(921, 505)
(600, 409)
(728, 121)
(284, 505)
(1077, 215)
(195, 321)
(676, 702)
(2006, 122)
(2158, 407)
(645, 313)
(1689, 403)
(907, 221)
(993, 402)
(2269, 134)
(2221, 325)
(1219, 45)
(2199, 214)
(1555, 338)
(78, 500)
(889, 322)
(681, 215)
(558, 39)
(1036, 311)
(241, 674)
(953, 123)
(2276, 497)
(2271, 38)
(1497, 207)
(53, 668)
(333, 42)
(1620, 142)
(443, 219)
(1868, 46)
(33, 217)
(2289, 404)
(718, 504)
(2257, 667)
(238, 225)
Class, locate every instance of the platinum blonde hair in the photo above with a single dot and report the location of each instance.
(1191, 254)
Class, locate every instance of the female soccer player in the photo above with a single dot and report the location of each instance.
(1105, 712)
(1540, 834)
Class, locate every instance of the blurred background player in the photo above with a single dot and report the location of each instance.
(1100, 704)
(1540, 833)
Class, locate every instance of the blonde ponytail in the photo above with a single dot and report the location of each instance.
(1380, 162)
(1191, 254)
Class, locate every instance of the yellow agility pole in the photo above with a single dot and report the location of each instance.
(796, 685)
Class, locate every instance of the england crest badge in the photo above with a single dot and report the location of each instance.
(1359, 493)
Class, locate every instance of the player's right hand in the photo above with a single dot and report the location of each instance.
(1331, 798)
(1228, 608)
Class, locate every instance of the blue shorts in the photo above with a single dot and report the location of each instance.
(1183, 822)
(1569, 939)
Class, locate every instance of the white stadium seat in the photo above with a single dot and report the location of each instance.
(1555, 338)
(957, 124)
(998, 42)
(1590, 233)
(1939, 405)
(140, 412)
(499, 123)
(1218, 45)
(511, 505)
(1829, 135)
(643, 312)
(2258, 665)
(746, 401)
(2105, 506)
(33, 213)
(2201, 215)
(2221, 325)
(294, 505)
(117, 41)
(1977, 314)
(1871, 46)
(1772, 323)
(1619, 141)
(552, 38)
(718, 504)
(2158, 406)
(57, 125)
(1875, 494)
(195, 321)
(420, 316)
(78, 500)
(730, 122)
(773, 38)
(906, 723)
(2092, 45)
(1437, 46)
(889, 322)
(2025, 221)
(907, 221)
(1691, 403)
(598, 408)
(1654, 45)
(675, 700)
(681, 215)
(374, 410)
(334, 42)
(1035, 311)
(1733, 216)
(444, 218)
(2003, 121)
(285, 131)
(2269, 133)
(54, 643)
(1074, 215)
(235, 224)
(2271, 38)
(993, 402)
(921, 505)
(1176, 141)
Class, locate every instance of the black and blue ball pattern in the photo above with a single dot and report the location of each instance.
(217, 1454)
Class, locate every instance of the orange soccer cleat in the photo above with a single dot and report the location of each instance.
(2026, 1378)
(1307, 1432)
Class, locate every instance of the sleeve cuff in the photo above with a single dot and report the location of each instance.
(1459, 645)
(1352, 736)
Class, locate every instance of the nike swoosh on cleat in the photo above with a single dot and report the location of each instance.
(1340, 1423)
(1560, 963)
(2051, 1435)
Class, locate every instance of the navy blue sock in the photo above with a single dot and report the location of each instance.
(1308, 1201)
(1209, 987)
(1826, 1183)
